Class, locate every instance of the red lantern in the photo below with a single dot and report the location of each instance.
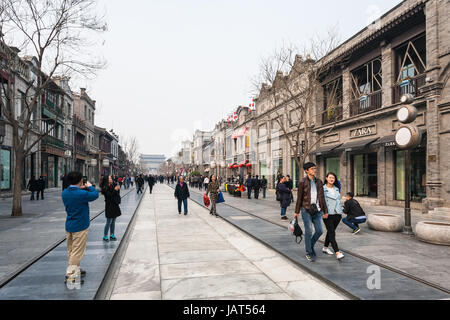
(248, 165)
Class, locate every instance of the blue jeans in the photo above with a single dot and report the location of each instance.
(264, 192)
(110, 225)
(308, 221)
(353, 223)
(184, 204)
(283, 211)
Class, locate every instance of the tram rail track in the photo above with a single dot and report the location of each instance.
(47, 250)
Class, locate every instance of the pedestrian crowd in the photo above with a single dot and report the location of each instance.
(317, 201)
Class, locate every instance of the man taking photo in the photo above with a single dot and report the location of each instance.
(76, 199)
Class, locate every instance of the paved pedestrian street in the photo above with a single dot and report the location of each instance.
(245, 253)
(44, 278)
(171, 256)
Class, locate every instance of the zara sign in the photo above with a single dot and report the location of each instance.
(363, 131)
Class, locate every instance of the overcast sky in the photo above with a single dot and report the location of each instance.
(175, 66)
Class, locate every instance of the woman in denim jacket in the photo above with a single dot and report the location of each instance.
(333, 200)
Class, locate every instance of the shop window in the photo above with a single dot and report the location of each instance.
(5, 169)
(277, 165)
(417, 178)
(333, 165)
(365, 175)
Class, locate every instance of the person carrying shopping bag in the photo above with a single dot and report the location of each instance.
(213, 190)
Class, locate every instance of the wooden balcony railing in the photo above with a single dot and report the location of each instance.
(81, 149)
(410, 85)
(366, 103)
(78, 122)
(52, 141)
(332, 114)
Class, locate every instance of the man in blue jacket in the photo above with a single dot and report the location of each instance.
(76, 199)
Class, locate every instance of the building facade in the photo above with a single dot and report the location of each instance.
(353, 114)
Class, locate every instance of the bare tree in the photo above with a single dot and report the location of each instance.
(289, 83)
(56, 33)
(130, 146)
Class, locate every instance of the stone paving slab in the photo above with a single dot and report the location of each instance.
(44, 280)
(350, 274)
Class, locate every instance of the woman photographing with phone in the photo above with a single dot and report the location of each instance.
(111, 191)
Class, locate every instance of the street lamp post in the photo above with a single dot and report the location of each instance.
(407, 137)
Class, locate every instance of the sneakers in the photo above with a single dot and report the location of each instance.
(185, 213)
(284, 218)
(82, 274)
(310, 258)
(339, 256)
(327, 251)
(356, 230)
(105, 238)
(216, 215)
(113, 238)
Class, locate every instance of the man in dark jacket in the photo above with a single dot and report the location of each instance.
(182, 193)
(65, 183)
(289, 183)
(40, 186)
(257, 186)
(355, 214)
(151, 183)
(249, 185)
(139, 183)
(310, 196)
(32, 186)
(264, 185)
(285, 195)
(279, 176)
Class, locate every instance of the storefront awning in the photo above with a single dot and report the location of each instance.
(355, 145)
(326, 149)
(385, 141)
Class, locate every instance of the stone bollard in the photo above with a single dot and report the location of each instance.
(385, 222)
(437, 232)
